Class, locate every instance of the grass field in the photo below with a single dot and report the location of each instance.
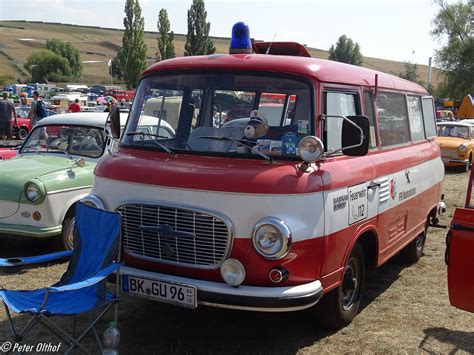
(21, 38)
(406, 310)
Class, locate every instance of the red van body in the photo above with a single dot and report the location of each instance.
(206, 225)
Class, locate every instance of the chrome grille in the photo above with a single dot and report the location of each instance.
(449, 153)
(175, 235)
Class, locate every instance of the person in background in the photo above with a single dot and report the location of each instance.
(7, 115)
(34, 118)
(109, 106)
(75, 106)
(24, 101)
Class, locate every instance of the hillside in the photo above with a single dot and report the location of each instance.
(97, 45)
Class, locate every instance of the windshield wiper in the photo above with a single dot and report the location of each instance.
(241, 142)
(63, 151)
(162, 146)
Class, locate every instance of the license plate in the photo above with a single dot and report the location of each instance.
(168, 292)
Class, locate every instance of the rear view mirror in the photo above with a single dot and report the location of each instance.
(355, 136)
(113, 119)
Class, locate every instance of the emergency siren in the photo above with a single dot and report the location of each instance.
(240, 42)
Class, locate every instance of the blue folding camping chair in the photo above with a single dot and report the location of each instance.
(82, 288)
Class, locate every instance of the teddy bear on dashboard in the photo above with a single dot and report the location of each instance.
(257, 128)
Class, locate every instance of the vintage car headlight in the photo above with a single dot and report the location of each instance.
(271, 238)
(32, 192)
(463, 148)
(94, 201)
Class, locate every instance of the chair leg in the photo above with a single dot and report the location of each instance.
(88, 329)
(19, 336)
(61, 334)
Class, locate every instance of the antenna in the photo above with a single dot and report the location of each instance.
(269, 46)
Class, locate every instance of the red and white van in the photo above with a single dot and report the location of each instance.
(301, 213)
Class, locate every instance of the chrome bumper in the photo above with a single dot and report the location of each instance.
(251, 298)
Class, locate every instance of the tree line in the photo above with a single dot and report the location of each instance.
(59, 61)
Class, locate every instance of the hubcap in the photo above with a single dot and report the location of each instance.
(69, 236)
(350, 284)
(420, 241)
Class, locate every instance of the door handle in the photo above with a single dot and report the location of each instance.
(373, 185)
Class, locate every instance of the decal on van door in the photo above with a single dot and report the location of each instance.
(357, 203)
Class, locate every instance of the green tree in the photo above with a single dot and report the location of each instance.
(346, 51)
(132, 61)
(166, 38)
(66, 50)
(45, 65)
(197, 39)
(411, 72)
(456, 57)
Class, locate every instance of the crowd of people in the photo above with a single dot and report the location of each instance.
(9, 114)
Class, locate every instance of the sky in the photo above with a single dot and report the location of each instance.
(388, 29)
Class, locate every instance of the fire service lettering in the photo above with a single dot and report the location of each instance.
(340, 202)
(406, 194)
(358, 205)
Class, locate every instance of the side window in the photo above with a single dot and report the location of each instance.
(370, 114)
(393, 119)
(417, 128)
(429, 116)
(337, 104)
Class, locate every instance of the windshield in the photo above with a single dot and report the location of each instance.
(453, 131)
(66, 139)
(220, 113)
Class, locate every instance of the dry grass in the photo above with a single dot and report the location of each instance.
(90, 43)
(406, 310)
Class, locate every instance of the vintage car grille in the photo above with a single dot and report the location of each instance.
(448, 153)
(175, 235)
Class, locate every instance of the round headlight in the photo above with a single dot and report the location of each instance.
(272, 238)
(32, 192)
(462, 148)
(311, 149)
(233, 272)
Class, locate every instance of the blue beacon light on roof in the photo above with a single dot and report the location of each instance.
(240, 42)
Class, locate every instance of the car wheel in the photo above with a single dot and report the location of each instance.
(339, 307)
(67, 233)
(467, 167)
(22, 133)
(414, 251)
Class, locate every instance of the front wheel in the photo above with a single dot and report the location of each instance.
(67, 233)
(22, 133)
(341, 305)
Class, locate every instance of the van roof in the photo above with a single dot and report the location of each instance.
(318, 69)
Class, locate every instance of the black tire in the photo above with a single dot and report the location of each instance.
(22, 133)
(338, 308)
(414, 251)
(66, 237)
(467, 167)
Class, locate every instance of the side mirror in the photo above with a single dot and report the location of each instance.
(355, 136)
(113, 119)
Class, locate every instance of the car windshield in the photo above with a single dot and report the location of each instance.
(66, 139)
(211, 113)
(453, 131)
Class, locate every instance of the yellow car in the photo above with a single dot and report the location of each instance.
(456, 141)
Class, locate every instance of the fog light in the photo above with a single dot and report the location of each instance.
(36, 215)
(278, 274)
(233, 272)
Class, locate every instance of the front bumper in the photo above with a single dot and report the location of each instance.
(251, 298)
(30, 231)
(454, 162)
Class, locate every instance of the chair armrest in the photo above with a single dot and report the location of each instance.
(99, 276)
(18, 261)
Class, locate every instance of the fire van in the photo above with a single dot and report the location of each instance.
(347, 177)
